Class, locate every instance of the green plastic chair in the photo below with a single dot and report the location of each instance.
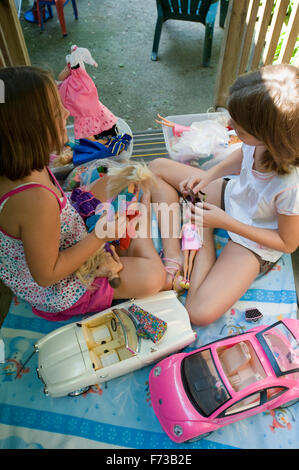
(201, 11)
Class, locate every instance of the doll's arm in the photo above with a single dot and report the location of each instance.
(64, 73)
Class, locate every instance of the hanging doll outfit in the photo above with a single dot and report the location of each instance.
(79, 96)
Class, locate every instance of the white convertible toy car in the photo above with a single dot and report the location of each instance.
(106, 345)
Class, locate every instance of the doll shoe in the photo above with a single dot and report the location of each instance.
(175, 272)
(185, 284)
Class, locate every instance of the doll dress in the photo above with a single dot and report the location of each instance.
(190, 239)
(79, 96)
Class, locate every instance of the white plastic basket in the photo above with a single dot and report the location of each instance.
(187, 120)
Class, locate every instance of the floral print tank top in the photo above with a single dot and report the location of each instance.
(14, 271)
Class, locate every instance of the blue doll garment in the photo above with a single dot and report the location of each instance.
(88, 150)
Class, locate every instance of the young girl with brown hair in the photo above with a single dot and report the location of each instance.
(259, 208)
(43, 240)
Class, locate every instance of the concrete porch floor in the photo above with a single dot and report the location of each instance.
(120, 37)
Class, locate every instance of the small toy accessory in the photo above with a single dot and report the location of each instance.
(252, 314)
(151, 327)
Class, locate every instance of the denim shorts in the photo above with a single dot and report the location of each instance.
(265, 266)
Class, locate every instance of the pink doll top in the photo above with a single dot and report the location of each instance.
(79, 96)
(190, 237)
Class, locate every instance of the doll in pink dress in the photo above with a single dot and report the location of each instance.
(191, 243)
(79, 95)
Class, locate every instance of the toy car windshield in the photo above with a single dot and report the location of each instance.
(281, 348)
(202, 382)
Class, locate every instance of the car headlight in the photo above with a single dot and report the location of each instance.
(178, 430)
(157, 371)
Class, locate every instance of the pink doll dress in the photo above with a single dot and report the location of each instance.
(79, 96)
(190, 238)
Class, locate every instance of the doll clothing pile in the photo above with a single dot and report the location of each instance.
(88, 150)
(150, 326)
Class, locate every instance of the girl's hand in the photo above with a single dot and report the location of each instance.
(209, 215)
(111, 229)
(194, 183)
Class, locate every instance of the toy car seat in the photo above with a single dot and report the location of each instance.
(235, 357)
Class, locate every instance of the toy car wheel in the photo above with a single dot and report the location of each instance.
(78, 392)
(289, 403)
(198, 438)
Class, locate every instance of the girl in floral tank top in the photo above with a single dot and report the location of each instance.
(43, 239)
(14, 270)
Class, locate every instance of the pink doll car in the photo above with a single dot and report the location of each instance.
(198, 392)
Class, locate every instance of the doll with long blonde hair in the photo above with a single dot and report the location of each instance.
(125, 181)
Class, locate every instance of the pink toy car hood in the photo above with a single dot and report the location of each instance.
(165, 402)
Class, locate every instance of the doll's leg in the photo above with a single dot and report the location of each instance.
(226, 282)
(64, 73)
(192, 254)
(184, 280)
(186, 263)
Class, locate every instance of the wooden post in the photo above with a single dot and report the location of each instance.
(261, 30)
(13, 46)
(250, 25)
(290, 35)
(2, 61)
(232, 41)
(275, 30)
(4, 49)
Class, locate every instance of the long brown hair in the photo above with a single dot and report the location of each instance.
(265, 103)
(30, 119)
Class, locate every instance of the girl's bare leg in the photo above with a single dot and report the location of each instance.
(165, 197)
(166, 205)
(233, 272)
(143, 273)
(172, 172)
(230, 277)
